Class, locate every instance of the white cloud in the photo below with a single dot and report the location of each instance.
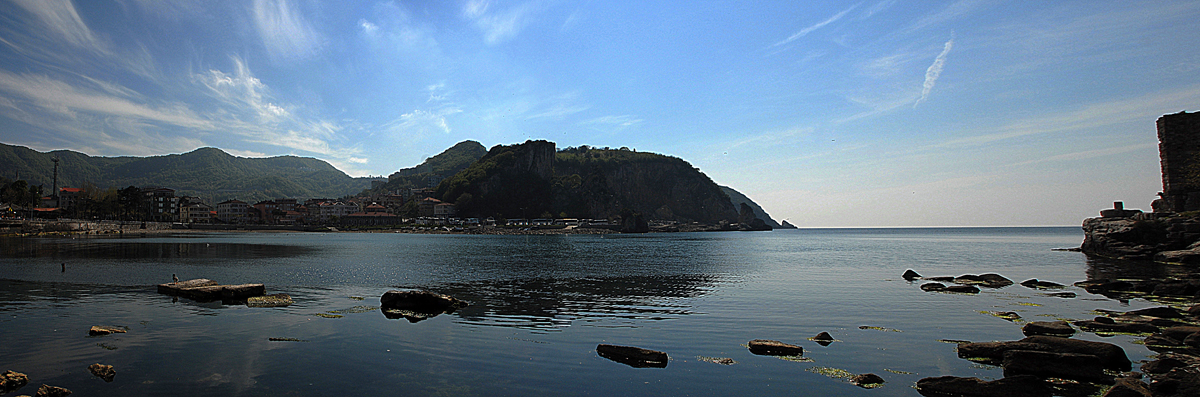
(498, 26)
(1088, 154)
(245, 153)
(65, 100)
(610, 123)
(818, 25)
(953, 11)
(934, 71)
(284, 31)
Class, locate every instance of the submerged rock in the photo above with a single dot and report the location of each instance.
(962, 289)
(98, 330)
(1039, 284)
(774, 348)
(633, 356)
(276, 300)
(867, 381)
(933, 287)
(990, 280)
(1177, 383)
(52, 391)
(11, 380)
(1160, 312)
(1128, 387)
(1014, 386)
(944, 279)
(1052, 328)
(421, 301)
(102, 371)
(1099, 325)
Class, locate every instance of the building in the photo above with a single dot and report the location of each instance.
(427, 206)
(268, 211)
(233, 211)
(68, 197)
(194, 212)
(1179, 154)
(162, 203)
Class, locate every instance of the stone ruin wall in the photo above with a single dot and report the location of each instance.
(1179, 152)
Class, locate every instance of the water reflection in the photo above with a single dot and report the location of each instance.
(549, 303)
(1099, 268)
(128, 249)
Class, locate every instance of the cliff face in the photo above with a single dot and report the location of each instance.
(1168, 239)
(533, 180)
(738, 199)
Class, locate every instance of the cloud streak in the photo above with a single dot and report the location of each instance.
(934, 71)
(818, 25)
(284, 31)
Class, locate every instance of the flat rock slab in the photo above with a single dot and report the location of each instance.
(276, 300)
(206, 290)
(420, 301)
(774, 348)
(52, 391)
(633, 356)
(1109, 355)
(98, 330)
(1081, 367)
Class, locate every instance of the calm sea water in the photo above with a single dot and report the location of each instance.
(539, 306)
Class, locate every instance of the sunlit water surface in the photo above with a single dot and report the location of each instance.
(539, 306)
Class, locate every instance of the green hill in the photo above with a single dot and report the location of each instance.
(208, 173)
(434, 169)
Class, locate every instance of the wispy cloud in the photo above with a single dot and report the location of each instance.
(60, 17)
(818, 25)
(877, 8)
(498, 26)
(1088, 154)
(611, 123)
(284, 31)
(1096, 115)
(934, 71)
(951, 12)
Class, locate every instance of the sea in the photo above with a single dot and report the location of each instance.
(539, 306)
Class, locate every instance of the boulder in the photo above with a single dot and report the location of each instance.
(52, 391)
(1039, 284)
(421, 301)
(910, 275)
(1180, 333)
(1081, 367)
(1110, 356)
(205, 290)
(1105, 286)
(1014, 386)
(823, 336)
(633, 356)
(10, 381)
(943, 279)
(867, 381)
(774, 348)
(1194, 311)
(102, 371)
(98, 330)
(1177, 383)
(173, 288)
(990, 280)
(1052, 328)
(933, 287)
(1063, 294)
(1163, 365)
(1128, 387)
(1192, 341)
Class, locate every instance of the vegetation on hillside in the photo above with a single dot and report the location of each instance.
(434, 169)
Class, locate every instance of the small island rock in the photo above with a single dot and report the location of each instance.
(1013, 386)
(421, 301)
(52, 391)
(633, 356)
(867, 381)
(11, 381)
(910, 275)
(98, 330)
(774, 348)
(102, 371)
(1051, 328)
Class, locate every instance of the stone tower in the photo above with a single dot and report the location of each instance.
(1179, 152)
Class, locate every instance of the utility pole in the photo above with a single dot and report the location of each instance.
(54, 188)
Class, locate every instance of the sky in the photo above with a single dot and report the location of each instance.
(826, 113)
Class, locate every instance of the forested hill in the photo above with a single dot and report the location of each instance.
(434, 169)
(208, 173)
(534, 180)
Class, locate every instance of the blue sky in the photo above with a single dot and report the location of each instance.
(827, 113)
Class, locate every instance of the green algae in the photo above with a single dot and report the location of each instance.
(885, 329)
(717, 360)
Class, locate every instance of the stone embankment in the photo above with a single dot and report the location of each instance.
(1171, 238)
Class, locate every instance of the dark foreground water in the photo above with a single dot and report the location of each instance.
(539, 306)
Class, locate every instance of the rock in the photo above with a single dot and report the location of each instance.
(1104, 320)
(1038, 284)
(52, 391)
(962, 289)
(1176, 288)
(1098, 325)
(102, 371)
(944, 279)
(910, 275)
(10, 381)
(1180, 333)
(1108, 287)
(205, 290)
(1194, 311)
(1081, 367)
(98, 330)
(1163, 365)
(990, 280)
(1015, 386)
(276, 300)
(823, 336)
(867, 381)
(1111, 356)
(411, 316)
(1128, 387)
(933, 287)
(1192, 341)
(633, 356)
(1064, 294)
(1052, 328)
(1160, 312)
(1159, 342)
(1177, 383)
(421, 301)
(173, 288)
(774, 348)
